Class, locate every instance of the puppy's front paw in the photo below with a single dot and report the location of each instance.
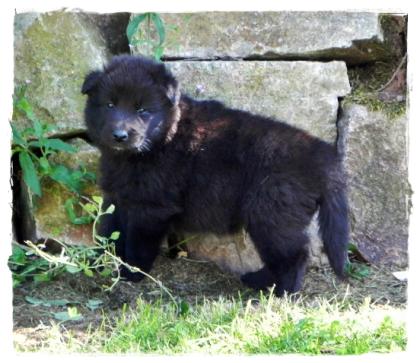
(131, 276)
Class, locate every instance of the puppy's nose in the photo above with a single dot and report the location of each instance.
(120, 135)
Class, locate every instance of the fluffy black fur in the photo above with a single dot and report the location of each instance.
(168, 161)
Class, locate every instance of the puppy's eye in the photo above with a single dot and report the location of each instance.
(110, 105)
(141, 110)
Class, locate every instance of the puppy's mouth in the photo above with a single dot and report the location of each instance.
(137, 146)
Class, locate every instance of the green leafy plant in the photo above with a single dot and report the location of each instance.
(356, 267)
(357, 270)
(148, 31)
(34, 149)
(32, 262)
(97, 259)
(25, 265)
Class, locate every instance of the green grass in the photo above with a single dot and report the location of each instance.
(268, 325)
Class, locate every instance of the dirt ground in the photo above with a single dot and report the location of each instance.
(187, 280)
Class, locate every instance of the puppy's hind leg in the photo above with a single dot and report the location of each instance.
(285, 259)
(259, 280)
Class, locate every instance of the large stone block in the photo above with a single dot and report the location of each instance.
(53, 53)
(304, 94)
(355, 37)
(375, 155)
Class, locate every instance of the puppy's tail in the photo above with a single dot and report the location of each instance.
(334, 227)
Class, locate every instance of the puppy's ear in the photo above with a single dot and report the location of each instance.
(172, 92)
(167, 81)
(91, 81)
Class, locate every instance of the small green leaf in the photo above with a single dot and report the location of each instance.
(47, 303)
(28, 132)
(78, 220)
(89, 175)
(17, 280)
(93, 304)
(49, 127)
(73, 269)
(110, 209)
(39, 265)
(98, 200)
(62, 316)
(115, 235)
(352, 248)
(18, 256)
(357, 271)
(90, 208)
(44, 164)
(17, 136)
(33, 300)
(160, 27)
(60, 174)
(63, 175)
(133, 26)
(88, 272)
(71, 314)
(34, 143)
(24, 106)
(43, 277)
(106, 272)
(59, 145)
(158, 53)
(39, 131)
(30, 175)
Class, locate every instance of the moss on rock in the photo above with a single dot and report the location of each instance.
(53, 53)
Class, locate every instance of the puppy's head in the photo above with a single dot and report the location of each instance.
(132, 104)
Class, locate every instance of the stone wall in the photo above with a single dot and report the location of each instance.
(293, 66)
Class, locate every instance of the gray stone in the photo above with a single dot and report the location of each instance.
(304, 94)
(53, 53)
(236, 253)
(355, 37)
(232, 253)
(375, 155)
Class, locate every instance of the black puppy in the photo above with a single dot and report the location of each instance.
(168, 161)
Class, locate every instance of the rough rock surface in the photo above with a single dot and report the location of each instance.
(304, 94)
(232, 253)
(53, 53)
(355, 37)
(375, 155)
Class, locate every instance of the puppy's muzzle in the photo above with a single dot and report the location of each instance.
(120, 135)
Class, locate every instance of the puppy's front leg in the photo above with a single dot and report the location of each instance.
(141, 246)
